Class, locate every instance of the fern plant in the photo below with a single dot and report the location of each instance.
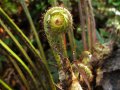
(17, 61)
(58, 24)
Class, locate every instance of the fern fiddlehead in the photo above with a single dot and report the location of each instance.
(57, 21)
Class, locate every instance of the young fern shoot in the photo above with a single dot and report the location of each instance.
(58, 21)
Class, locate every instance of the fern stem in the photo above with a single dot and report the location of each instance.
(55, 22)
(92, 22)
(89, 26)
(19, 60)
(19, 31)
(19, 71)
(80, 4)
(31, 47)
(33, 28)
(5, 85)
(70, 32)
(72, 43)
(21, 49)
(63, 44)
(19, 46)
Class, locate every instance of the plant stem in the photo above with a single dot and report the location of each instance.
(62, 45)
(67, 3)
(89, 25)
(5, 85)
(17, 68)
(19, 31)
(19, 46)
(19, 60)
(31, 47)
(22, 50)
(82, 20)
(19, 71)
(72, 43)
(33, 28)
(92, 22)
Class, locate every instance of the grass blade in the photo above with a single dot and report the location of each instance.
(19, 46)
(31, 47)
(19, 72)
(33, 28)
(19, 60)
(5, 85)
(19, 32)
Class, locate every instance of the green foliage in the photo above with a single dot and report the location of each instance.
(8, 41)
(9, 6)
(29, 44)
(53, 2)
(5, 85)
(107, 12)
(40, 6)
(57, 21)
(114, 24)
(32, 57)
(100, 38)
(115, 3)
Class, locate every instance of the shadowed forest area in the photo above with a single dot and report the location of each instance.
(59, 45)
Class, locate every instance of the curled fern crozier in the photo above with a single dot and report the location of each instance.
(57, 20)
